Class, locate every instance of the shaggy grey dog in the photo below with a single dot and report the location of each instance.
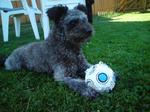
(61, 52)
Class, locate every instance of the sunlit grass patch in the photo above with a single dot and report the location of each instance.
(132, 17)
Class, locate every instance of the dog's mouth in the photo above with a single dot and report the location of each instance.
(80, 38)
(83, 38)
(86, 36)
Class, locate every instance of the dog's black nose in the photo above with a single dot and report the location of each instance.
(89, 31)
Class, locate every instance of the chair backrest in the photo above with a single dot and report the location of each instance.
(26, 5)
(45, 4)
(34, 4)
(6, 4)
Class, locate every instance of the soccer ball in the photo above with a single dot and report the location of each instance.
(100, 77)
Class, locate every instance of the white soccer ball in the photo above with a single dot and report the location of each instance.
(100, 77)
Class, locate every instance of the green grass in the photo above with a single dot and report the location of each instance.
(124, 45)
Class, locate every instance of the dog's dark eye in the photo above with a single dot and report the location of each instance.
(73, 23)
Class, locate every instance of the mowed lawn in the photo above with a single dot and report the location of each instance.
(123, 42)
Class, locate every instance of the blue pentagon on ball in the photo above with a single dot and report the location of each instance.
(102, 77)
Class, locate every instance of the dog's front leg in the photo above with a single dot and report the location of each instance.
(81, 87)
(62, 74)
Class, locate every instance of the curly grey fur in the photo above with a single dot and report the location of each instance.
(60, 53)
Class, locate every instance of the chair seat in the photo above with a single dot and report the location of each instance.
(10, 9)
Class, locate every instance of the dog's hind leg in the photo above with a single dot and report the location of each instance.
(13, 63)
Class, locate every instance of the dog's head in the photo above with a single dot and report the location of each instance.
(72, 23)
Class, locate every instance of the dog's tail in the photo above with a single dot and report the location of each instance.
(2, 60)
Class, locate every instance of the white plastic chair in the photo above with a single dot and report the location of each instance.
(45, 4)
(7, 10)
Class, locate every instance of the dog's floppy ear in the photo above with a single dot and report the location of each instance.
(81, 8)
(56, 12)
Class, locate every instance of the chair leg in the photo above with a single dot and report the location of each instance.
(5, 25)
(34, 24)
(17, 23)
(45, 25)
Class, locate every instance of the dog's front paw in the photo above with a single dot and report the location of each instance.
(90, 93)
